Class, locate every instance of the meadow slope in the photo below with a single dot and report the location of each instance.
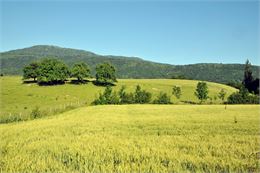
(137, 138)
(18, 99)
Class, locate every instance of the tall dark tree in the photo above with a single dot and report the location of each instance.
(251, 84)
(248, 77)
(202, 91)
(31, 71)
(52, 71)
(105, 74)
(80, 71)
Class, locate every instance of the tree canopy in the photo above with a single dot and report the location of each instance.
(202, 91)
(52, 71)
(31, 71)
(105, 74)
(80, 71)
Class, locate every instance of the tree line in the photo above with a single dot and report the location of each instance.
(51, 71)
(141, 96)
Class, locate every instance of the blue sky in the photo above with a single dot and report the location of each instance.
(171, 32)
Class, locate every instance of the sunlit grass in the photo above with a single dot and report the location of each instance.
(18, 99)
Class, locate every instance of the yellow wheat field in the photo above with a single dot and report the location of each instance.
(135, 138)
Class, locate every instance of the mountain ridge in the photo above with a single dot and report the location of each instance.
(13, 61)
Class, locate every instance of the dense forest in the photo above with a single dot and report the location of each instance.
(12, 63)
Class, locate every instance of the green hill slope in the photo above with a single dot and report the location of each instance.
(12, 62)
(18, 98)
(135, 138)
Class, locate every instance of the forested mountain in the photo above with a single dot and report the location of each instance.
(13, 61)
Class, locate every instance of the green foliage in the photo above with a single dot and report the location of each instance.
(202, 91)
(251, 84)
(52, 71)
(163, 98)
(126, 98)
(179, 77)
(222, 94)
(235, 84)
(105, 74)
(243, 97)
(248, 77)
(31, 71)
(142, 96)
(176, 91)
(107, 97)
(80, 71)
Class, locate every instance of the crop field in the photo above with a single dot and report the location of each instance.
(18, 98)
(135, 138)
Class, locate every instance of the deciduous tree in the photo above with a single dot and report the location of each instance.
(105, 74)
(52, 71)
(202, 91)
(80, 71)
(31, 71)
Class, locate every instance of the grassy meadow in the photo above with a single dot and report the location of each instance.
(18, 99)
(135, 138)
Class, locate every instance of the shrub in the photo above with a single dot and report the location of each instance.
(163, 98)
(222, 95)
(107, 97)
(243, 97)
(126, 98)
(176, 91)
(142, 96)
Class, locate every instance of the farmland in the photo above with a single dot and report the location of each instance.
(137, 138)
(18, 98)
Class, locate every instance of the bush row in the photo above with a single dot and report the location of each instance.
(140, 96)
(243, 97)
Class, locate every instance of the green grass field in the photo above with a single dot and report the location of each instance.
(135, 138)
(18, 99)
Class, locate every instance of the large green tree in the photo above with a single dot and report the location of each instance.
(80, 71)
(202, 91)
(105, 74)
(31, 71)
(52, 71)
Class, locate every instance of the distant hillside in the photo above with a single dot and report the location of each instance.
(13, 61)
